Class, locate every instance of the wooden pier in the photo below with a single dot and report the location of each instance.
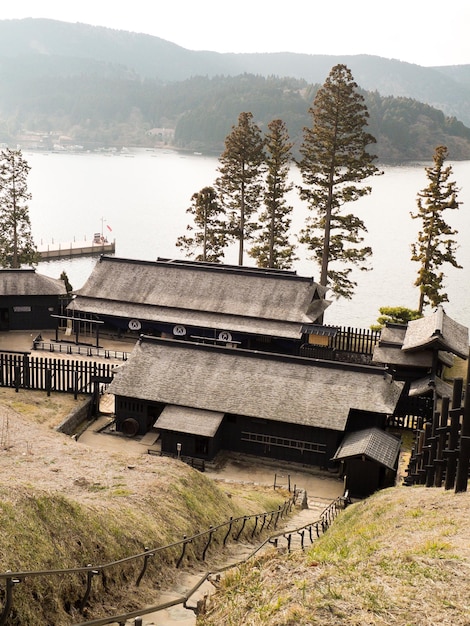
(75, 248)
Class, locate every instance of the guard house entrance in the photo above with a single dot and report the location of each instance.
(80, 328)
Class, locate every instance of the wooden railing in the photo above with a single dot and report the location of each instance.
(248, 526)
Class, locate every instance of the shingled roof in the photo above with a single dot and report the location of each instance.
(428, 385)
(27, 282)
(259, 385)
(184, 419)
(437, 332)
(372, 443)
(202, 294)
(413, 345)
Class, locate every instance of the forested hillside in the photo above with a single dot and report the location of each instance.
(73, 84)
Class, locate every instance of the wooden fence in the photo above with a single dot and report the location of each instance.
(441, 451)
(354, 345)
(21, 370)
(357, 340)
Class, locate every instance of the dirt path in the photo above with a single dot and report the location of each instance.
(321, 488)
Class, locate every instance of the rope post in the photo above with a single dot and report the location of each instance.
(185, 542)
(144, 567)
(10, 583)
(89, 578)
(211, 531)
(241, 529)
(228, 531)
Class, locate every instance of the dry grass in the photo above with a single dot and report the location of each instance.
(64, 505)
(401, 557)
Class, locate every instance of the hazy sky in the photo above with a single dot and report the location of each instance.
(426, 32)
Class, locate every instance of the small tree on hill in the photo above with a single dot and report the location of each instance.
(272, 247)
(16, 241)
(334, 161)
(435, 245)
(240, 181)
(208, 240)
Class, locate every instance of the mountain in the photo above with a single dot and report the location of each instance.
(56, 75)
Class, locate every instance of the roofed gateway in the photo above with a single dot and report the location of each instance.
(197, 301)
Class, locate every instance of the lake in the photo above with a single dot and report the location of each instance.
(142, 195)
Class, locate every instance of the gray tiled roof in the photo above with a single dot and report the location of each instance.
(27, 282)
(439, 332)
(373, 443)
(188, 420)
(199, 289)
(257, 385)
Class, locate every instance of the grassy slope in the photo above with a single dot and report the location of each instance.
(401, 557)
(63, 505)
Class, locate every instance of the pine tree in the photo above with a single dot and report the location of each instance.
(272, 247)
(334, 162)
(395, 315)
(16, 241)
(240, 181)
(208, 240)
(435, 245)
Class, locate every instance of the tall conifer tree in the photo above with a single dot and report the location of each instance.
(16, 241)
(435, 245)
(272, 247)
(208, 240)
(240, 181)
(334, 162)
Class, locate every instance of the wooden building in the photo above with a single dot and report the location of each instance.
(419, 352)
(241, 307)
(369, 460)
(208, 398)
(28, 300)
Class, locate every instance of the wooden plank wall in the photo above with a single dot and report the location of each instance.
(48, 374)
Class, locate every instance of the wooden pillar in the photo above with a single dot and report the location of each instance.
(441, 434)
(451, 451)
(432, 449)
(461, 480)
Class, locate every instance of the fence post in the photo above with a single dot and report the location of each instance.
(183, 551)
(144, 568)
(241, 530)
(10, 583)
(208, 543)
(48, 381)
(441, 434)
(451, 451)
(25, 365)
(229, 530)
(461, 479)
(17, 378)
(89, 578)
